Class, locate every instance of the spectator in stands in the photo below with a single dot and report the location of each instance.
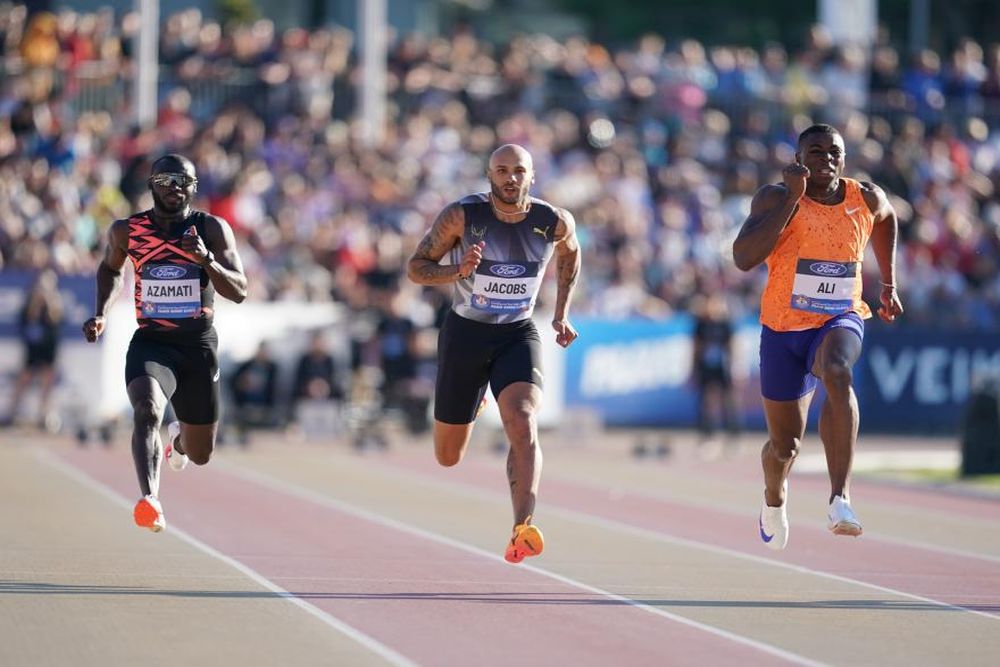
(254, 387)
(41, 317)
(712, 361)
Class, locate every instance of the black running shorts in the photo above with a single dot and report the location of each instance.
(473, 354)
(187, 369)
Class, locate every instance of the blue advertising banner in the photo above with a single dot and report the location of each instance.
(908, 380)
(632, 372)
(78, 295)
(919, 380)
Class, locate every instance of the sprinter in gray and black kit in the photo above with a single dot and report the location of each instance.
(500, 243)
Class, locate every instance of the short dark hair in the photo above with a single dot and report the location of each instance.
(171, 161)
(818, 128)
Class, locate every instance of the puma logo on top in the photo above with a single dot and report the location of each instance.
(541, 231)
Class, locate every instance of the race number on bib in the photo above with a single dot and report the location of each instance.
(171, 291)
(824, 287)
(505, 287)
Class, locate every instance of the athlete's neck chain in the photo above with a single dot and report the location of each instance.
(507, 216)
(830, 197)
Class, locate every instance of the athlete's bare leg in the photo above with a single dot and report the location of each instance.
(46, 382)
(519, 403)
(786, 425)
(148, 406)
(838, 422)
(21, 384)
(451, 441)
(198, 441)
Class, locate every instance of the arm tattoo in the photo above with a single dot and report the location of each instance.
(568, 263)
(423, 267)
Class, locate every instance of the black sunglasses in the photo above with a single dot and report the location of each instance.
(168, 179)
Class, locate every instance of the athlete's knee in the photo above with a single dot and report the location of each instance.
(785, 449)
(837, 376)
(200, 457)
(520, 424)
(448, 457)
(448, 450)
(147, 413)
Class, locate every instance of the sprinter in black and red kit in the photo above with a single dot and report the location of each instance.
(181, 258)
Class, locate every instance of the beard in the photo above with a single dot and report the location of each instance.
(169, 207)
(498, 194)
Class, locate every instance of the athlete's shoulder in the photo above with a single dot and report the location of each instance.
(471, 199)
(869, 187)
(876, 198)
(541, 203)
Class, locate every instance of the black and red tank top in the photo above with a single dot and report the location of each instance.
(173, 294)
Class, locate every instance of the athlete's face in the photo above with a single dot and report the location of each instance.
(823, 155)
(511, 175)
(173, 185)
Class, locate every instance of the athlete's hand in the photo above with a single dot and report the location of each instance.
(891, 307)
(565, 333)
(93, 328)
(193, 245)
(471, 260)
(795, 176)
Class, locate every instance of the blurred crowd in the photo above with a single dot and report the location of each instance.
(656, 147)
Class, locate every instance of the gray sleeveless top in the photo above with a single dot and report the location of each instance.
(504, 287)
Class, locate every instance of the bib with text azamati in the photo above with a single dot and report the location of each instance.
(504, 287)
(823, 286)
(171, 291)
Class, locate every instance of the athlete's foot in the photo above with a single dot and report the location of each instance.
(841, 519)
(149, 514)
(773, 522)
(525, 541)
(172, 451)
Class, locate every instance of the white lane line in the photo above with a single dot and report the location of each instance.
(821, 526)
(610, 524)
(373, 517)
(360, 637)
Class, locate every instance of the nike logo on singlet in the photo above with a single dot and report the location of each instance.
(852, 211)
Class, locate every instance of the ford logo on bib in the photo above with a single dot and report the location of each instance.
(167, 272)
(827, 269)
(507, 270)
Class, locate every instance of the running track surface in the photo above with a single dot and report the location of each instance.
(305, 554)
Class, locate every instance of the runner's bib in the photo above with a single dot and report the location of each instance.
(824, 287)
(505, 287)
(171, 291)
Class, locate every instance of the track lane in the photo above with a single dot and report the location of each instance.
(437, 605)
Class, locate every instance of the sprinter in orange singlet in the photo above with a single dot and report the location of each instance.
(181, 258)
(812, 231)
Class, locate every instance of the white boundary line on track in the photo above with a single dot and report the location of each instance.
(649, 533)
(315, 497)
(725, 509)
(372, 644)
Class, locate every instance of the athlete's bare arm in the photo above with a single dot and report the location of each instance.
(772, 207)
(423, 267)
(568, 262)
(883, 240)
(109, 278)
(225, 270)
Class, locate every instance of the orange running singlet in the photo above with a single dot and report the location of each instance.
(814, 271)
(172, 292)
